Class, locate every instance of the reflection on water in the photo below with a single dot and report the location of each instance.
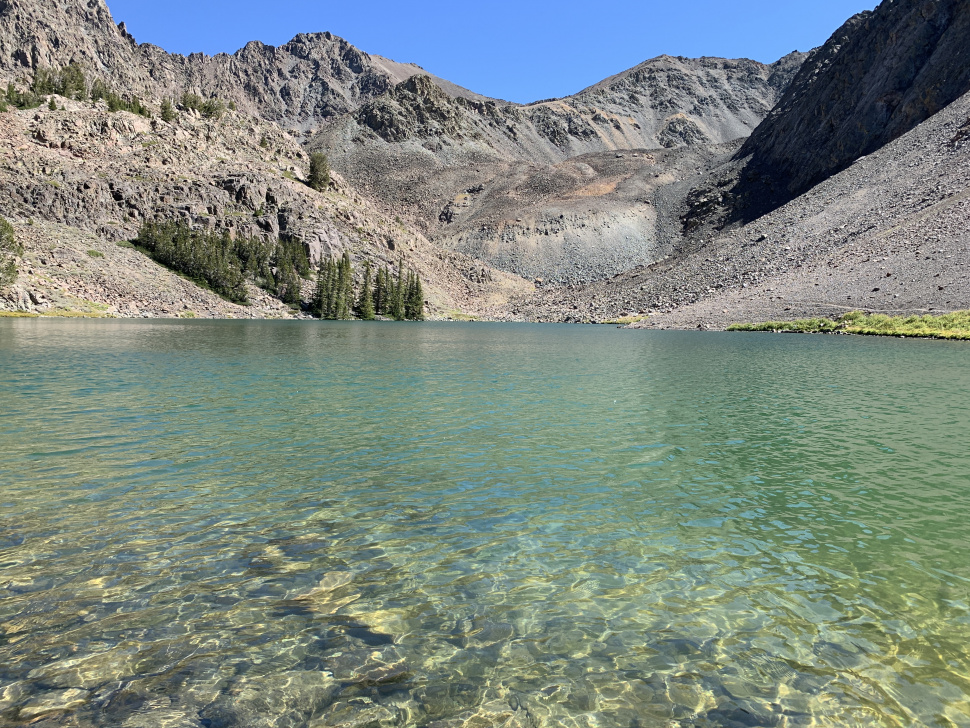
(463, 526)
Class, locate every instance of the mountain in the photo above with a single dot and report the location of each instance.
(851, 194)
(888, 234)
(312, 78)
(96, 172)
(535, 190)
(702, 190)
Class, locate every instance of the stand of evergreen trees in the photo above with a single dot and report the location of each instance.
(399, 296)
(224, 263)
(71, 83)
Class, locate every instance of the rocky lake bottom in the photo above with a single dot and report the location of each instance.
(304, 524)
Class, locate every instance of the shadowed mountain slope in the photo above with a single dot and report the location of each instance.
(877, 77)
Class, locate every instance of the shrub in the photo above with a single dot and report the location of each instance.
(955, 325)
(21, 99)
(213, 109)
(209, 108)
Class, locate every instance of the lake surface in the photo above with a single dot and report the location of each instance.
(465, 525)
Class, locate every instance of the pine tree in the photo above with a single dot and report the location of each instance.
(52, 104)
(365, 303)
(10, 248)
(380, 292)
(319, 177)
(414, 300)
(346, 287)
(320, 293)
(168, 111)
(332, 280)
(396, 308)
(288, 283)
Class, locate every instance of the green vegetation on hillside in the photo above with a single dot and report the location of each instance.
(400, 296)
(954, 325)
(101, 91)
(212, 108)
(10, 248)
(167, 111)
(225, 264)
(70, 83)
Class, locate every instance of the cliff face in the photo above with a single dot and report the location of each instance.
(43, 34)
(877, 77)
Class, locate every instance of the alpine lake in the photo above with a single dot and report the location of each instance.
(303, 524)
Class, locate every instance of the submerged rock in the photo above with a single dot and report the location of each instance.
(54, 701)
(285, 700)
(359, 713)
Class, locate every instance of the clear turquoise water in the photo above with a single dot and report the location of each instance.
(303, 524)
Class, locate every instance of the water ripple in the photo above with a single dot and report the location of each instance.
(273, 524)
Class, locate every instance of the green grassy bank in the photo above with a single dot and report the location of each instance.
(954, 325)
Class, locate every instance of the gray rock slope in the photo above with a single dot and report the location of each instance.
(551, 207)
(888, 234)
(877, 77)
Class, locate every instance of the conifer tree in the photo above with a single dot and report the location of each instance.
(10, 248)
(332, 280)
(289, 281)
(168, 111)
(320, 293)
(319, 177)
(380, 293)
(346, 283)
(414, 301)
(365, 303)
(396, 308)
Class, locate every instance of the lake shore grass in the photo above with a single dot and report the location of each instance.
(955, 325)
(60, 313)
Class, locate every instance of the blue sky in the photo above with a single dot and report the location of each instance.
(515, 50)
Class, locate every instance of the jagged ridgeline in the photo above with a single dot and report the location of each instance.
(225, 264)
(399, 295)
